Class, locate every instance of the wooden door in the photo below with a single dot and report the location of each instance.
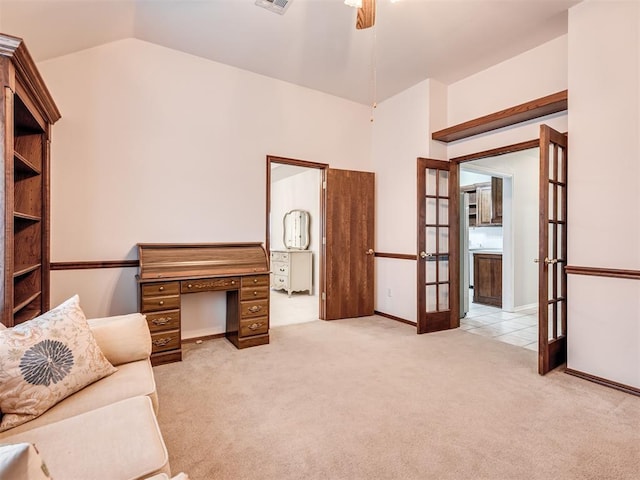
(552, 257)
(438, 246)
(349, 243)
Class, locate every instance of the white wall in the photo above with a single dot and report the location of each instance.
(300, 192)
(536, 73)
(604, 188)
(159, 146)
(400, 136)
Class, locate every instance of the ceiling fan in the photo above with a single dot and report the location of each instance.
(366, 12)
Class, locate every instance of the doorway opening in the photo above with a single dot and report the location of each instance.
(498, 245)
(294, 239)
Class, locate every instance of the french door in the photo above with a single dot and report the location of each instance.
(348, 244)
(438, 246)
(552, 256)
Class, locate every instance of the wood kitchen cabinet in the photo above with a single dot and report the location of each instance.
(487, 279)
(485, 203)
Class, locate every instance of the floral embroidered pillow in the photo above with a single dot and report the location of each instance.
(45, 360)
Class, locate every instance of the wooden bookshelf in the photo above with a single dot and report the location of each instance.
(27, 115)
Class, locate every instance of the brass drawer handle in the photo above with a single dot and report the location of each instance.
(255, 294)
(161, 289)
(255, 308)
(233, 282)
(255, 326)
(161, 342)
(255, 280)
(161, 321)
(161, 302)
(189, 286)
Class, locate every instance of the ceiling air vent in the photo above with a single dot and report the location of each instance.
(277, 6)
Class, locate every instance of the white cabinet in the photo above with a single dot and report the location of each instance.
(291, 270)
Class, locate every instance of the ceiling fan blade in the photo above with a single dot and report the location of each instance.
(366, 14)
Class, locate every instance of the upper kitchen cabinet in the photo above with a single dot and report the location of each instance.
(27, 112)
(485, 203)
(496, 200)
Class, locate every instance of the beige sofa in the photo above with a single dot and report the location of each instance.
(107, 430)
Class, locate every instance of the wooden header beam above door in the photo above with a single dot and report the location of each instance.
(556, 102)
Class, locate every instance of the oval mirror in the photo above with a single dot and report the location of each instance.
(296, 229)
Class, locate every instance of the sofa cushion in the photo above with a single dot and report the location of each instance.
(45, 360)
(22, 461)
(122, 338)
(120, 441)
(131, 380)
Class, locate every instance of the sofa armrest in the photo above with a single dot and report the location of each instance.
(122, 338)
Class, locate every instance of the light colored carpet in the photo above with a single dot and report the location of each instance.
(369, 399)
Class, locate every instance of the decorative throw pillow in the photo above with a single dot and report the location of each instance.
(45, 360)
(23, 461)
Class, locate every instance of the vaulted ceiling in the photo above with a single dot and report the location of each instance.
(314, 44)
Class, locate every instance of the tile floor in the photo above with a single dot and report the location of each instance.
(517, 328)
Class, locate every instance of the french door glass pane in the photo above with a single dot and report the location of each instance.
(443, 294)
(561, 197)
(443, 240)
(431, 270)
(551, 332)
(431, 236)
(559, 235)
(443, 274)
(431, 181)
(431, 205)
(561, 165)
(443, 211)
(431, 298)
(443, 183)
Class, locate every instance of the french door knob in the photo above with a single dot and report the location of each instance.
(425, 254)
(369, 252)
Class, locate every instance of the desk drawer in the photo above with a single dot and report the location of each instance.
(255, 280)
(210, 284)
(165, 288)
(255, 308)
(163, 341)
(254, 326)
(254, 293)
(154, 304)
(163, 321)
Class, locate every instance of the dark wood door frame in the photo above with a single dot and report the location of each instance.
(299, 163)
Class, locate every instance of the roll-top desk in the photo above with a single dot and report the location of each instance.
(167, 271)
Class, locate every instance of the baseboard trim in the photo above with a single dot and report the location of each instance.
(393, 317)
(525, 307)
(603, 381)
(202, 338)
